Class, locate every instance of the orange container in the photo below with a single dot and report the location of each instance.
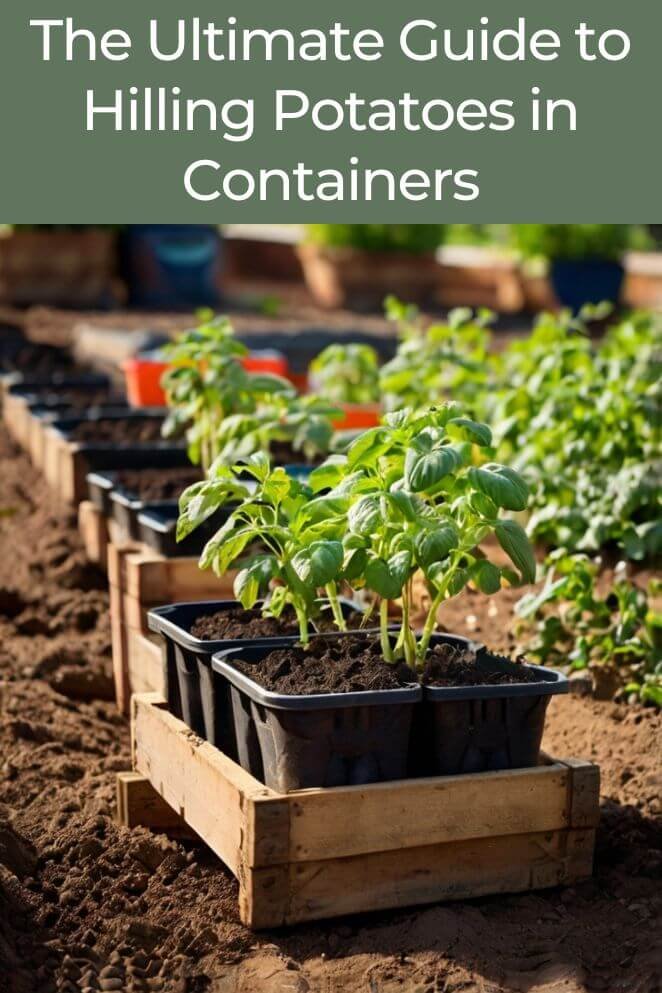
(143, 374)
(358, 416)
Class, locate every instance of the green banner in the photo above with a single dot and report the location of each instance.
(162, 111)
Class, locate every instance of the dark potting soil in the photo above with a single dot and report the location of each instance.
(122, 432)
(239, 623)
(346, 665)
(157, 484)
(449, 666)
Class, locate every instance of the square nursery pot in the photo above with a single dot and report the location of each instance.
(319, 740)
(103, 482)
(69, 460)
(193, 692)
(155, 524)
(480, 728)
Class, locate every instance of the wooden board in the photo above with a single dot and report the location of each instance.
(140, 579)
(327, 852)
(94, 532)
(15, 417)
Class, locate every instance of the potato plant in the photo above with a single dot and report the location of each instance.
(443, 361)
(206, 383)
(347, 373)
(570, 622)
(414, 494)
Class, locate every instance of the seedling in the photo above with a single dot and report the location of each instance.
(347, 374)
(443, 361)
(409, 495)
(300, 556)
(305, 423)
(570, 622)
(207, 383)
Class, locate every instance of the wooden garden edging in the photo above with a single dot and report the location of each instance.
(140, 579)
(322, 853)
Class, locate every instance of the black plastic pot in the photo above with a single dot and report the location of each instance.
(193, 693)
(107, 455)
(479, 728)
(157, 528)
(103, 483)
(580, 281)
(320, 740)
(36, 388)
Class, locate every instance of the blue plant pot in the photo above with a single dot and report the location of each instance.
(172, 266)
(580, 281)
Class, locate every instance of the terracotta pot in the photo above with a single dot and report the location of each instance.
(59, 268)
(360, 280)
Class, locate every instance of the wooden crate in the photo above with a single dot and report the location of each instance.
(15, 415)
(140, 579)
(322, 853)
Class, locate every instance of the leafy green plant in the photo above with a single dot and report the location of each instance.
(303, 423)
(571, 241)
(347, 373)
(569, 623)
(206, 383)
(413, 238)
(303, 558)
(583, 423)
(414, 496)
(409, 495)
(441, 361)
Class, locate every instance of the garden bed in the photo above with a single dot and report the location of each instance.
(301, 857)
(81, 895)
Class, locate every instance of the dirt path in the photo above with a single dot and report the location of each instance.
(85, 905)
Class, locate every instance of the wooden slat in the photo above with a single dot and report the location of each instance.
(153, 579)
(93, 530)
(585, 799)
(206, 788)
(348, 821)
(138, 804)
(146, 670)
(451, 871)
(120, 652)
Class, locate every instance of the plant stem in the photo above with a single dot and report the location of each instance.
(431, 620)
(383, 631)
(332, 596)
(302, 618)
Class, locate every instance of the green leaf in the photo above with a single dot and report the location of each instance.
(387, 578)
(424, 469)
(486, 576)
(254, 578)
(319, 564)
(483, 506)
(329, 474)
(199, 501)
(465, 429)
(368, 447)
(435, 546)
(365, 515)
(226, 546)
(512, 538)
(355, 563)
(502, 484)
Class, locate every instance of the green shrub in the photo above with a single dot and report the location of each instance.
(414, 238)
(571, 241)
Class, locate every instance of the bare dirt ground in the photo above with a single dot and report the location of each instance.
(88, 906)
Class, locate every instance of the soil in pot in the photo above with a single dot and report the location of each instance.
(117, 431)
(282, 453)
(448, 665)
(80, 399)
(239, 624)
(332, 715)
(344, 665)
(154, 485)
